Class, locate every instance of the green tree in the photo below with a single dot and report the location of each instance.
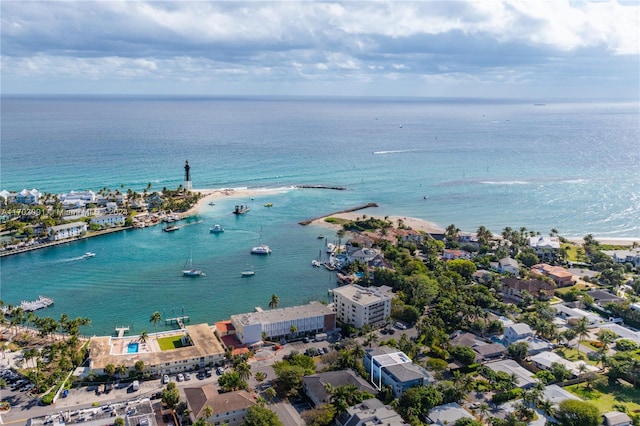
(119, 421)
(319, 416)
(582, 331)
(420, 399)
(578, 413)
(110, 370)
(244, 371)
(231, 381)
(155, 319)
(463, 354)
(259, 415)
(275, 300)
(171, 395)
(518, 351)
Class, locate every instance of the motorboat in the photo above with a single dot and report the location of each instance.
(216, 229)
(241, 209)
(316, 263)
(269, 205)
(170, 228)
(88, 254)
(248, 272)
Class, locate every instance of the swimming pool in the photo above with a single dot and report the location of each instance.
(132, 348)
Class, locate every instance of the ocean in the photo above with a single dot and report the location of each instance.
(572, 166)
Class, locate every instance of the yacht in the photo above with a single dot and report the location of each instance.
(88, 254)
(216, 229)
(261, 249)
(248, 272)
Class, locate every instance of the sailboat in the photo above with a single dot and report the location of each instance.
(189, 270)
(262, 248)
(316, 262)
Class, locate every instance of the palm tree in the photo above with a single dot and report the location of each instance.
(155, 318)
(207, 412)
(274, 301)
(244, 371)
(144, 336)
(581, 330)
(293, 329)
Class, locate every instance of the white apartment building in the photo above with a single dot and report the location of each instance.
(276, 323)
(67, 230)
(359, 305)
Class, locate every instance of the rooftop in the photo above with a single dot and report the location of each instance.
(385, 356)
(283, 314)
(362, 295)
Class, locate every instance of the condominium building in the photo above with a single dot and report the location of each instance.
(359, 305)
(313, 318)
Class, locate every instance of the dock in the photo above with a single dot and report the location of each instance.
(177, 320)
(33, 305)
(353, 209)
(121, 331)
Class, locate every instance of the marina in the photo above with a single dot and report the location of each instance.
(32, 306)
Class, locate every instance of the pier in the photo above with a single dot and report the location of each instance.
(177, 320)
(121, 331)
(30, 306)
(353, 209)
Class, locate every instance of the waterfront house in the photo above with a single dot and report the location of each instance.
(315, 385)
(30, 197)
(359, 305)
(515, 288)
(7, 197)
(625, 256)
(409, 235)
(370, 412)
(545, 247)
(364, 255)
(78, 198)
(66, 230)
(559, 275)
(154, 200)
(252, 327)
(227, 408)
(109, 220)
(389, 367)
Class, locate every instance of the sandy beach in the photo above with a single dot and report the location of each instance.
(212, 194)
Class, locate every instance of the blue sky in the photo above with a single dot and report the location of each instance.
(481, 48)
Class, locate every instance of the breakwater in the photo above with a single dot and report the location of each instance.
(353, 209)
(336, 188)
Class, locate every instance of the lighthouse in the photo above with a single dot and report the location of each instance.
(187, 176)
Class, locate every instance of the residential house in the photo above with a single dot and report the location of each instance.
(515, 288)
(622, 332)
(545, 360)
(625, 256)
(7, 197)
(109, 220)
(509, 366)
(452, 254)
(517, 331)
(482, 276)
(390, 367)
(561, 276)
(66, 230)
(556, 394)
(370, 412)
(545, 247)
(409, 235)
(315, 385)
(154, 200)
(27, 196)
(364, 255)
(509, 265)
(448, 414)
(78, 198)
(617, 418)
(484, 351)
(573, 315)
(227, 408)
(603, 297)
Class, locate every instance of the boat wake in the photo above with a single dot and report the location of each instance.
(396, 151)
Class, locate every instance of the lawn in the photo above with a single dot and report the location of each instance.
(169, 343)
(572, 355)
(606, 396)
(572, 252)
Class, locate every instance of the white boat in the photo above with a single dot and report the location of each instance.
(248, 272)
(88, 254)
(190, 271)
(261, 249)
(316, 263)
(216, 229)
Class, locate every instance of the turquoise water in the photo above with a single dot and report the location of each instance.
(568, 166)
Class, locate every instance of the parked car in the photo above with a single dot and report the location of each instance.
(187, 377)
(180, 377)
(220, 371)
(165, 379)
